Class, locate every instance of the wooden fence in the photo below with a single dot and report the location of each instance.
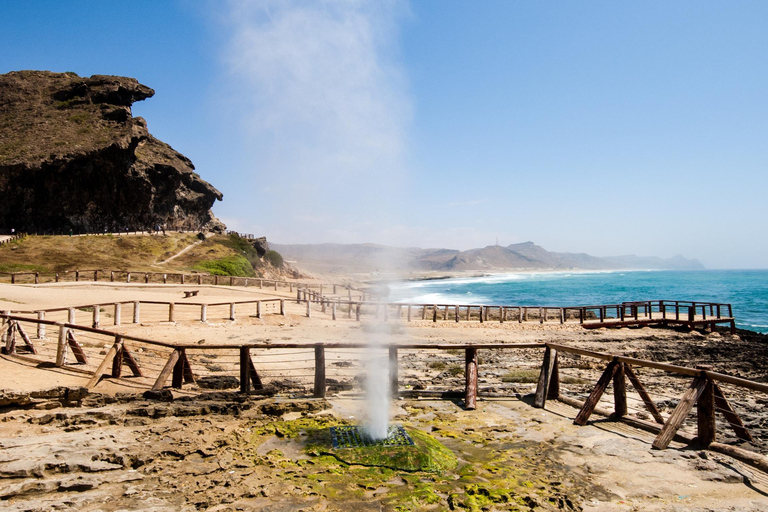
(575, 376)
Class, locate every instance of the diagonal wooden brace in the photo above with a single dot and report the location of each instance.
(77, 350)
(675, 421)
(166, 371)
(594, 397)
(547, 377)
(643, 394)
(733, 419)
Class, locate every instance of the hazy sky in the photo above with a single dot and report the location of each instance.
(601, 127)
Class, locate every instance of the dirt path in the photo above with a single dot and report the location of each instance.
(187, 248)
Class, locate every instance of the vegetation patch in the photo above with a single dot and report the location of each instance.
(232, 266)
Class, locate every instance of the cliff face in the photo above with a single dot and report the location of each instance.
(72, 156)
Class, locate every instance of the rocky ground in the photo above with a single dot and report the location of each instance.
(224, 452)
(117, 449)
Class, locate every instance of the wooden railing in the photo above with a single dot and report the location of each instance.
(565, 374)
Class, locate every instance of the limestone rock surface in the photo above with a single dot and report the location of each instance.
(72, 156)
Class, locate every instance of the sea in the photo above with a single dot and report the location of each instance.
(745, 290)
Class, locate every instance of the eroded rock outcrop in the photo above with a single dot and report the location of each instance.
(72, 156)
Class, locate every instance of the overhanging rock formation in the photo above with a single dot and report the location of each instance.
(72, 156)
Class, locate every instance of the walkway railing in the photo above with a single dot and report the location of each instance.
(661, 398)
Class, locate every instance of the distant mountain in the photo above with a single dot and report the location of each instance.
(524, 256)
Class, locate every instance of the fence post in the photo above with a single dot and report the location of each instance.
(482, 314)
(705, 411)
(319, 389)
(136, 306)
(470, 372)
(182, 278)
(96, 319)
(393, 372)
(171, 312)
(258, 309)
(309, 308)
(333, 311)
(357, 311)
(37, 278)
(203, 312)
(128, 277)
(118, 312)
(546, 378)
(40, 326)
(282, 307)
(298, 296)
(619, 392)
(71, 316)
(455, 313)
(77, 275)
(245, 370)
(199, 279)
(409, 312)
(434, 313)
(232, 311)
(95, 276)
(61, 349)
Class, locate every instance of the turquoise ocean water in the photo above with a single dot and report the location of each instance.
(746, 290)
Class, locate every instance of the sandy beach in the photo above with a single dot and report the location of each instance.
(114, 449)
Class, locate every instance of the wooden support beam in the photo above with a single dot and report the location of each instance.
(470, 373)
(724, 407)
(394, 374)
(643, 394)
(677, 417)
(245, 370)
(77, 350)
(619, 393)
(26, 339)
(166, 371)
(103, 366)
(705, 415)
(542, 388)
(131, 362)
(182, 371)
(320, 387)
(594, 397)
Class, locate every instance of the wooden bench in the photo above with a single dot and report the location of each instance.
(190, 293)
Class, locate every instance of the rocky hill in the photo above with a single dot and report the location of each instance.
(523, 256)
(72, 156)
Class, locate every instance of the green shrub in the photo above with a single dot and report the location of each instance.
(274, 259)
(231, 266)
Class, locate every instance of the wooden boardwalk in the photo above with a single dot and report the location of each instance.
(669, 313)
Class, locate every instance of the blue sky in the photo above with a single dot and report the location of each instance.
(601, 127)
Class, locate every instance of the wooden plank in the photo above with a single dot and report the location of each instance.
(166, 371)
(733, 419)
(545, 374)
(594, 397)
(470, 390)
(643, 394)
(677, 417)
